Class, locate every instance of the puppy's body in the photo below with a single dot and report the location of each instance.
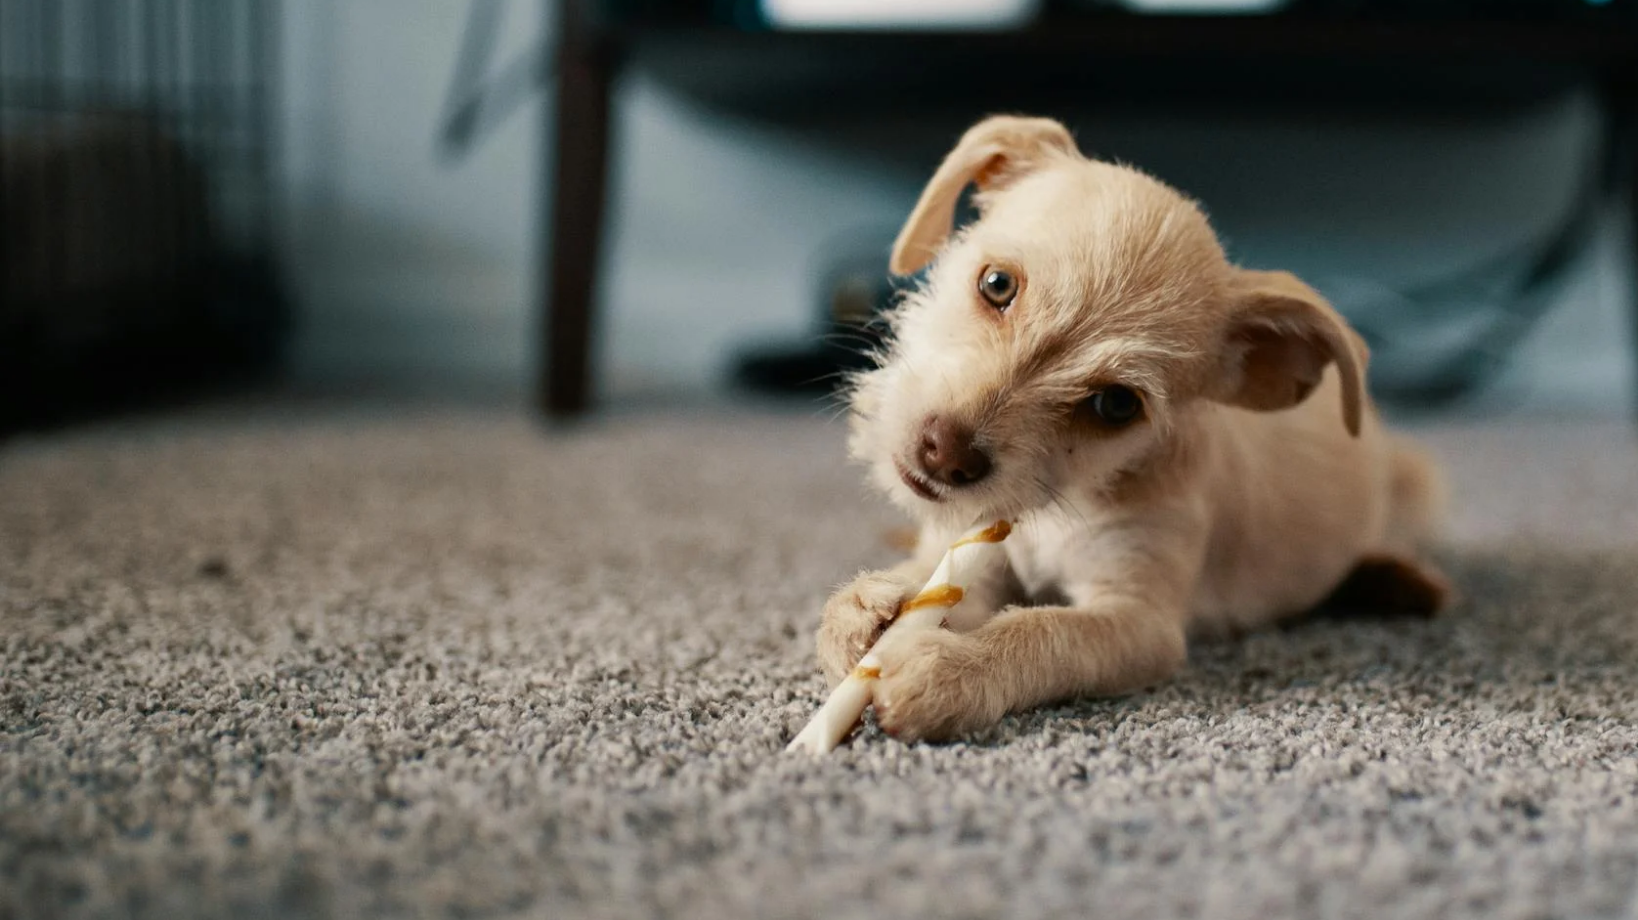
(1271, 510)
(1253, 478)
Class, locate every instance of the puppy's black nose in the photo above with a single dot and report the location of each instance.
(947, 454)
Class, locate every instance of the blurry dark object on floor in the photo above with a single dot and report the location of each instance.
(854, 290)
(1076, 60)
(136, 240)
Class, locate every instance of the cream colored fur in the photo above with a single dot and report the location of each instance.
(1256, 480)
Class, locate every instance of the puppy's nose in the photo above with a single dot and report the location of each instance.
(948, 455)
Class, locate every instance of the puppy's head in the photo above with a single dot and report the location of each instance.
(1062, 336)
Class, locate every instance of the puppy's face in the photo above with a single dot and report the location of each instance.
(1059, 338)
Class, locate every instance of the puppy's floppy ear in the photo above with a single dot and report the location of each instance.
(1280, 337)
(992, 153)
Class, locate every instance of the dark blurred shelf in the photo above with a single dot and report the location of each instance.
(1128, 62)
(1224, 36)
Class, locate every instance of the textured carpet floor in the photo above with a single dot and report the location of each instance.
(452, 665)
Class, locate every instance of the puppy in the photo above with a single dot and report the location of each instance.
(1186, 445)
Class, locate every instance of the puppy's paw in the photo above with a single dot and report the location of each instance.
(855, 617)
(933, 687)
(1393, 585)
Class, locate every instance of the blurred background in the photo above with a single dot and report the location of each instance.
(610, 203)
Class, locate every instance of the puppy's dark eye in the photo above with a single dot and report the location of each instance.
(1115, 406)
(998, 286)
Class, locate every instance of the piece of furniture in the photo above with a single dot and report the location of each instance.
(1428, 57)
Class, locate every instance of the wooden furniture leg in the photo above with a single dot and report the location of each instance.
(1624, 119)
(1621, 170)
(585, 70)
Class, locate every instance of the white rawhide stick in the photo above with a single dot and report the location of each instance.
(967, 562)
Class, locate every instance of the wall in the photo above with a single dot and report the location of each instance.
(407, 271)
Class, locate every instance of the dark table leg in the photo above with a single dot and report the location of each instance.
(1624, 121)
(585, 75)
(1621, 101)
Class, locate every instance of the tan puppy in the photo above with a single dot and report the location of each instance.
(1185, 444)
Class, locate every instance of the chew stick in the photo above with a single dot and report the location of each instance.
(967, 561)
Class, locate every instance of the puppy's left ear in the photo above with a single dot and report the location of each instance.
(1280, 337)
(993, 153)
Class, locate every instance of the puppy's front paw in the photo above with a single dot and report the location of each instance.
(855, 617)
(933, 687)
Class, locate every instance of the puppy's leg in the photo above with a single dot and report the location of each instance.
(1394, 585)
(858, 613)
(939, 685)
(1127, 582)
(1416, 498)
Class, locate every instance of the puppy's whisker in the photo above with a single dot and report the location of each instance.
(864, 343)
(834, 405)
(831, 409)
(1059, 500)
(824, 378)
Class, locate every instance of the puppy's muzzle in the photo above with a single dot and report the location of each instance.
(947, 455)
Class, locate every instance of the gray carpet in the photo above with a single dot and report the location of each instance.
(450, 664)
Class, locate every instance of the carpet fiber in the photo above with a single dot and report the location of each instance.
(450, 664)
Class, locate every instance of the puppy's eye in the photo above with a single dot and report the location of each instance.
(1116, 406)
(998, 286)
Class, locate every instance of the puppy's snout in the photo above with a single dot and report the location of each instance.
(948, 455)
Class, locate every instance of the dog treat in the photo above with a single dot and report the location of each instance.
(967, 561)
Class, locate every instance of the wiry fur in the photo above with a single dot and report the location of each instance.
(1257, 479)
